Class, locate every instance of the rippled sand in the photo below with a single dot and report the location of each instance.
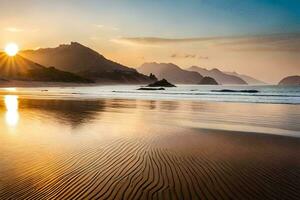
(130, 149)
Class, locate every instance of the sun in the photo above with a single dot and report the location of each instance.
(11, 49)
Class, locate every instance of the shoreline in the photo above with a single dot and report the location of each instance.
(41, 94)
(205, 125)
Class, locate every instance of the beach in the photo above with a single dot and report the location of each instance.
(158, 100)
(147, 149)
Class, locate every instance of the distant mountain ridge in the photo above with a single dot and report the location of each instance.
(20, 68)
(171, 72)
(219, 76)
(290, 80)
(250, 80)
(86, 62)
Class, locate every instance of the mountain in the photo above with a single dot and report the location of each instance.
(2, 80)
(208, 81)
(250, 80)
(86, 62)
(171, 72)
(20, 68)
(290, 80)
(219, 76)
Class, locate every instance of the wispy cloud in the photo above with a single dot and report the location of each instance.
(188, 56)
(94, 38)
(272, 42)
(13, 29)
(19, 30)
(157, 40)
(99, 26)
(275, 42)
(111, 28)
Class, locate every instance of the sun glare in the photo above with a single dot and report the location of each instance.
(11, 49)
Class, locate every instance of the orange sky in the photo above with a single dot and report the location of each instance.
(132, 32)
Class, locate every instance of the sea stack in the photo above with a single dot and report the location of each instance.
(161, 83)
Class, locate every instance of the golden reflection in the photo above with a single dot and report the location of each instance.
(10, 89)
(12, 105)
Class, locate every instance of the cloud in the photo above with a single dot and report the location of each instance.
(18, 30)
(203, 57)
(175, 55)
(111, 28)
(13, 29)
(99, 26)
(94, 38)
(188, 56)
(157, 40)
(272, 42)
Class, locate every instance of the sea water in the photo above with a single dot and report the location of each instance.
(264, 94)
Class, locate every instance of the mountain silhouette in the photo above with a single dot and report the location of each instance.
(290, 80)
(208, 81)
(221, 77)
(250, 80)
(171, 72)
(20, 68)
(86, 62)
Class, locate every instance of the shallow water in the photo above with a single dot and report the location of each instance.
(74, 116)
(265, 94)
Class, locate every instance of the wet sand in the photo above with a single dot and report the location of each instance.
(127, 149)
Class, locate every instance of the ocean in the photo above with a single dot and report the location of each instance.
(269, 94)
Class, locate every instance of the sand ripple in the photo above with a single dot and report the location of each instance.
(189, 167)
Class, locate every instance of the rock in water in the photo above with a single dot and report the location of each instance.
(237, 91)
(143, 88)
(161, 83)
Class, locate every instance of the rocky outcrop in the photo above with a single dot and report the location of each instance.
(161, 83)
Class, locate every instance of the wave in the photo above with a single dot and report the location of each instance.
(212, 94)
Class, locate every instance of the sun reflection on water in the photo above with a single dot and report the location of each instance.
(10, 89)
(12, 105)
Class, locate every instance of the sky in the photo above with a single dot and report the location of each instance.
(256, 37)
